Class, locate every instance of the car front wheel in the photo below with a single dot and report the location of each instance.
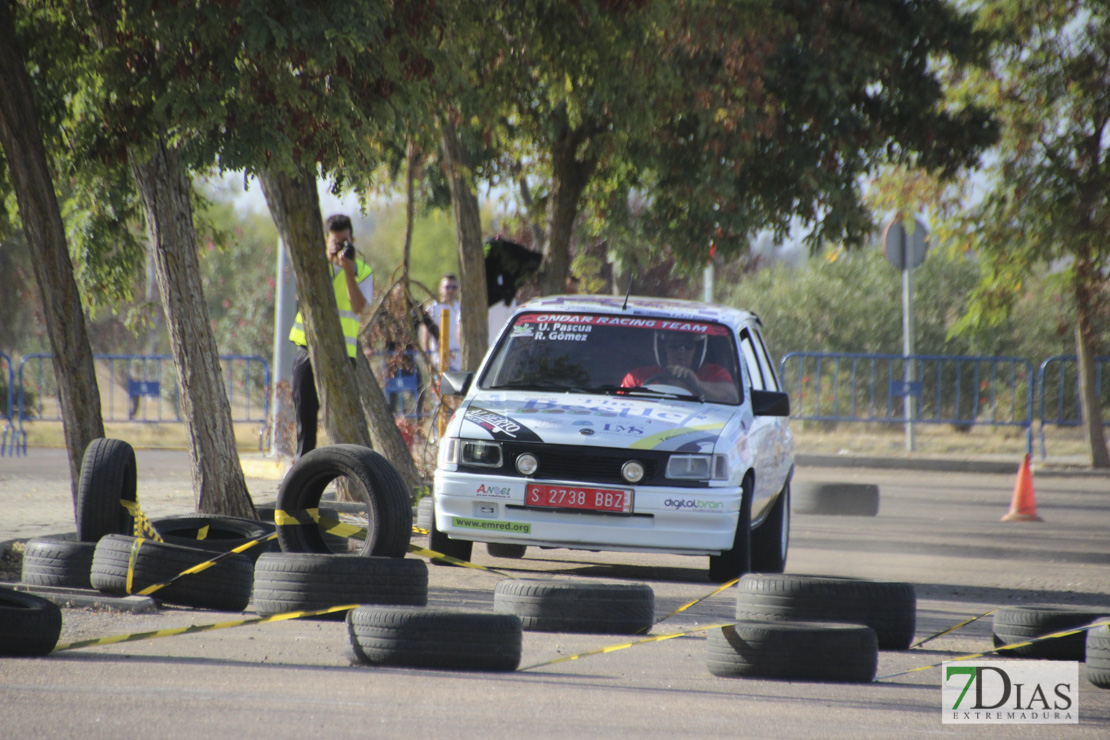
(737, 560)
(771, 539)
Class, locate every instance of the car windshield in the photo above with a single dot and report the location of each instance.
(621, 355)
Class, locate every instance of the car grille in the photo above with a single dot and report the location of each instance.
(586, 464)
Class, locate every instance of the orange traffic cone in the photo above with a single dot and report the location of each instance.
(1023, 508)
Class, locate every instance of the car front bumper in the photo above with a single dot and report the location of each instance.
(687, 521)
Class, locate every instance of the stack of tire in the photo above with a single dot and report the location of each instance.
(812, 628)
(1020, 626)
(391, 624)
(106, 556)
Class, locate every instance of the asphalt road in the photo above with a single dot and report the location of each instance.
(939, 531)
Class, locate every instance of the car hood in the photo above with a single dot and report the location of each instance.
(595, 421)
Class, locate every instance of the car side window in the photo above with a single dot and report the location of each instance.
(769, 375)
(751, 359)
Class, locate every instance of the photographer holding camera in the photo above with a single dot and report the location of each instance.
(354, 290)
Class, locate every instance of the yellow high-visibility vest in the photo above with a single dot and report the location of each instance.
(348, 319)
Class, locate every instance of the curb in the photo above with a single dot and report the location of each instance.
(80, 597)
(943, 465)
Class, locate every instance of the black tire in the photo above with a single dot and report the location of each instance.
(216, 534)
(441, 543)
(771, 539)
(435, 638)
(424, 513)
(506, 550)
(58, 563)
(796, 651)
(577, 606)
(889, 608)
(29, 625)
(1020, 623)
(293, 582)
(226, 586)
(736, 561)
(371, 478)
(1098, 654)
(108, 474)
(841, 499)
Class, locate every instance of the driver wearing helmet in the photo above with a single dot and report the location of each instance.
(682, 362)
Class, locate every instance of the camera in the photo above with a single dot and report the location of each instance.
(347, 250)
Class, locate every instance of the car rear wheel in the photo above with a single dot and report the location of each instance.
(506, 550)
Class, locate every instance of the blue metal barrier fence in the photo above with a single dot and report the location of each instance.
(949, 389)
(1063, 407)
(144, 388)
(11, 442)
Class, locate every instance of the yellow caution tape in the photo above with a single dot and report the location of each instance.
(333, 526)
(143, 526)
(134, 554)
(953, 628)
(684, 607)
(626, 645)
(200, 628)
(433, 555)
(1000, 649)
(419, 530)
(199, 567)
(329, 525)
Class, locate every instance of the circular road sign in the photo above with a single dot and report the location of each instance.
(905, 251)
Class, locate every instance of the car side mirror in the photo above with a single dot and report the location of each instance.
(456, 383)
(770, 403)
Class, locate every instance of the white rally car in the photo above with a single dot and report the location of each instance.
(637, 425)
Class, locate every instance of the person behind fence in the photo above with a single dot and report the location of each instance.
(353, 281)
(402, 325)
(449, 299)
(681, 358)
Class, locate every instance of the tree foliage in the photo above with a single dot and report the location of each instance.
(1043, 200)
(788, 104)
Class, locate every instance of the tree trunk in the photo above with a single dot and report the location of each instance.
(1085, 290)
(387, 437)
(21, 139)
(569, 177)
(218, 483)
(295, 207)
(474, 322)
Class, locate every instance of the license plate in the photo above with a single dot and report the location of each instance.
(613, 500)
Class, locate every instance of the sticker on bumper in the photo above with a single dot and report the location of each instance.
(491, 526)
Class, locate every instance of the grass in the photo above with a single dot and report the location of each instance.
(140, 436)
(809, 437)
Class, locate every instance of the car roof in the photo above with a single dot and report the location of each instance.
(641, 306)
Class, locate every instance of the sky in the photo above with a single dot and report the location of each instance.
(251, 200)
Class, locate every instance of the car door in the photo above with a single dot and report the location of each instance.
(762, 435)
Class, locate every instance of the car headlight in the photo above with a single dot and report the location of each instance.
(477, 452)
(697, 467)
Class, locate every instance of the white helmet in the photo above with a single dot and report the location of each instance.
(699, 340)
